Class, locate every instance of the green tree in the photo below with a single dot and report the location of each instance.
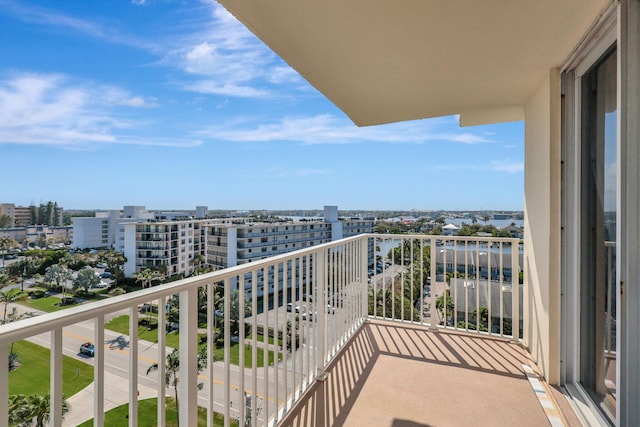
(391, 305)
(58, 274)
(500, 233)
(5, 221)
(234, 306)
(481, 316)
(444, 303)
(172, 367)
(146, 277)
(11, 296)
(197, 262)
(115, 261)
(85, 280)
(5, 244)
(32, 410)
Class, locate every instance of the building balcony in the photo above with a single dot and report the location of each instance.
(368, 330)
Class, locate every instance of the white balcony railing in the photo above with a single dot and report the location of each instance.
(319, 297)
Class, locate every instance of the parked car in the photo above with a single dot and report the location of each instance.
(105, 275)
(291, 307)
(308, 316)
(87, 349)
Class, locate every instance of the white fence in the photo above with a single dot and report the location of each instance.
(276, 346)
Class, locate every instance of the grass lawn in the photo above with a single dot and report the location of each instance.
(235, 355)
(47, 304)
(120, 324)
(32, 377)
(148, 415)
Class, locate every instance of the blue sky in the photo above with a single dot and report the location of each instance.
(173, 104)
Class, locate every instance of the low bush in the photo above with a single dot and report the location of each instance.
(37, 293)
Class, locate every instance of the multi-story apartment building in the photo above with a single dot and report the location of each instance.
(38, 234)
(168, 246)
(172, 246)
(243, 240)
(106, 229)
(22, 216)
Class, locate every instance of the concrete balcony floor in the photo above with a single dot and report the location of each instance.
(400, 375)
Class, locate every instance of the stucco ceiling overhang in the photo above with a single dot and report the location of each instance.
(389, 61)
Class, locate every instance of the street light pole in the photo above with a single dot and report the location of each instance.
(24, 273)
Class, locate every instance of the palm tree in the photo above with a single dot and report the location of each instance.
(6, 243)
(58, 274)
(114, 262)
(17, 409)
(146, 277)
(172, 366)
(24, 410)
(10, 296)
(197, 261)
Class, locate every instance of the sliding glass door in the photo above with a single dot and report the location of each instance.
(598, 211)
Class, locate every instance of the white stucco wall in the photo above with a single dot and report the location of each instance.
(542, 225)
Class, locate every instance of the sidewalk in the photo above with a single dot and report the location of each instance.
(116, 393)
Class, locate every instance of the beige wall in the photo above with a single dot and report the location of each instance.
(542, 226)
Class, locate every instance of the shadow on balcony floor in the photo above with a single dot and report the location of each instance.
(393, 375)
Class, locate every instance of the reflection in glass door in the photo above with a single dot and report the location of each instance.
(599, 168)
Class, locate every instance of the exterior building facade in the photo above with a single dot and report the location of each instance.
(244, 241)
(105, 230)
(22, 216)
(168, 246)
(38, 235)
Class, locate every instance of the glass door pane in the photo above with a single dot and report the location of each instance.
(599, 169)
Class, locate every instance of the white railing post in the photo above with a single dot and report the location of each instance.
(188, 384)
(364, 262)
(162, 350)
(55, 394)
(227, 352)
(4, 384)
(210, 351)
(433, 311)
(321, 306)
(98, 372)
(133, 366)
(515, 291)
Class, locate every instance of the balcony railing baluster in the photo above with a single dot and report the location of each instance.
(331, 294)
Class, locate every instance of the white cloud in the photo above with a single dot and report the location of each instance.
(507, 166)
(211, 87)
(47, 16)
(469, 138)
(328, 129)
(222, 57)
(51, 109)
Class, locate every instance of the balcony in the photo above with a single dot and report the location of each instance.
(431, 337)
